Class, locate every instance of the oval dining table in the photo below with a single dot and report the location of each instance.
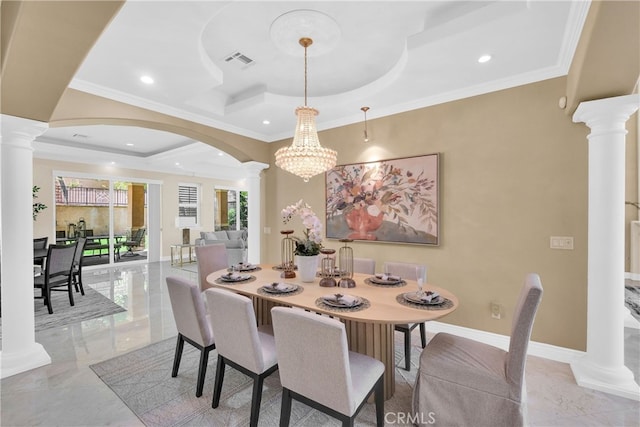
(369, 327)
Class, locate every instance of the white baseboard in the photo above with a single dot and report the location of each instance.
(632, 276)
(547, 351)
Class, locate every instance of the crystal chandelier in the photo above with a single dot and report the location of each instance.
(305, 157)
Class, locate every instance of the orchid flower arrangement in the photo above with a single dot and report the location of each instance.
(312, 241)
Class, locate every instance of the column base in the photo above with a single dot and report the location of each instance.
(618, 381)
(15, 363)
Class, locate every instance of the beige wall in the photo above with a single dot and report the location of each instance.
(513, 173)
(43, 177)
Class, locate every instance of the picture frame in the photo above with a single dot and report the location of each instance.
(392, 201)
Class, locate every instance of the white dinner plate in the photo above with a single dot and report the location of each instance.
(240, 278)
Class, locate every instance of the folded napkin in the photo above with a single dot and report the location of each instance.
(347, 300)
(430, 296)
(244, 267)
(232, 276)
(383, 276)
(279, 286)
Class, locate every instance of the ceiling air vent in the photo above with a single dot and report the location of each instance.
(238, 58)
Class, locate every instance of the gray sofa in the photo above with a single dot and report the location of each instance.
(234, 240)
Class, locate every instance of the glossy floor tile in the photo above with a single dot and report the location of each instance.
(68, 393)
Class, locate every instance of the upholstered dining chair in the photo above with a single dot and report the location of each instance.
(76, 272)
(57, 273)
(210, 258)
(364, 265)
(407, 271)
(240, 344)
(465, 382)
(317, 368)
(192, 321)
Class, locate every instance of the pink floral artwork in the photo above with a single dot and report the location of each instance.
(389, 201)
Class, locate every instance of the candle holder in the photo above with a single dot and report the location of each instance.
(345, 256)
(328, 268)
(287, 251)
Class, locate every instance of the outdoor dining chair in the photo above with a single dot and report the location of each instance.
(57, 273)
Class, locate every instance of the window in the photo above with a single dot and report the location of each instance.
(188, 205)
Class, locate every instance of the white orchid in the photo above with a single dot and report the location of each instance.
(311, 244)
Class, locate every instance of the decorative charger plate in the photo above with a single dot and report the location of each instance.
(380, 281)
(248, 267)
(238, 278)
(339, 303)
(282, 288)
(414, 298)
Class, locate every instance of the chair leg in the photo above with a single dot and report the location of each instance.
(202, 370)
(285, 409)
(256, 399)
(70, 289)
(47, 299)
(217, 386)
(178, 356)
(423, 335)
(78, 278)
(379, 400)
(407, 350)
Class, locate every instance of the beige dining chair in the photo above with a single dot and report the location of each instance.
(210, 258)
(192, 321)
(364, 265)
(317, 368)
(466, 382)
(407, 271)
(240, 344)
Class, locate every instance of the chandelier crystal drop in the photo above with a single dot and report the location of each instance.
(305, 157)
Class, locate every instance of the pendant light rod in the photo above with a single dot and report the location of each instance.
(366, 135)
(305, 42)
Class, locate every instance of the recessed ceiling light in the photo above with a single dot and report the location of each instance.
(129, 144)
(147, 80)
(177, 163)
(266, 122)
(220, 153)
(113, 163)
(484, 58)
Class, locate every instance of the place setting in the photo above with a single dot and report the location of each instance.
(342, 302)
(234, 277)
(244, 267)
(426, 300)
(280, 289)
(385, 279)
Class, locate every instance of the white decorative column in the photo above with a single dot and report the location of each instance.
(20, 352)
(254, 187)
(602, 368)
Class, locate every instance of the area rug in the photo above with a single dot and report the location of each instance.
(142, 380)
(632, 299)
(88, 306)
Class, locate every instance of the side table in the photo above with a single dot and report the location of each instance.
(177, 253)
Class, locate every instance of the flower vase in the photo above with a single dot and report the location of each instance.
(363, 224)
(307, 267)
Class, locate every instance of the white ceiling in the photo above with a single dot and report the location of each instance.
(391, 56)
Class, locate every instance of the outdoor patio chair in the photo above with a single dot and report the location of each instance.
(134, 242)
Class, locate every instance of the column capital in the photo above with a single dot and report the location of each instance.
(607, 115)
(254, 169)
(13, 127)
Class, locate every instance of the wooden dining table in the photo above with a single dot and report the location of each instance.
(369, 327)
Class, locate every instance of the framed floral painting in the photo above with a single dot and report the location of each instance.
(392, 200)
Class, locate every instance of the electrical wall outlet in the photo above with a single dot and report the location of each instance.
(496, 310)
(561, 242)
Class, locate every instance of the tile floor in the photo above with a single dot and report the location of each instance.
(68, 393)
